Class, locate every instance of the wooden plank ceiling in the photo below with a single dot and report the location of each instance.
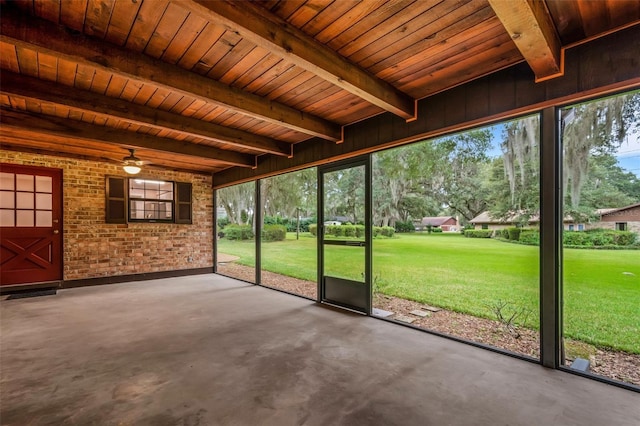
(207, 85)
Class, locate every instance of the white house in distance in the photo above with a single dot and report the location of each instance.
(620, 218)
(485, 221)
(446, 223)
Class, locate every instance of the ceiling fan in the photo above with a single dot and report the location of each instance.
(132, 164)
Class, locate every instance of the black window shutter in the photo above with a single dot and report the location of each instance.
(116, 200)
(183, 202)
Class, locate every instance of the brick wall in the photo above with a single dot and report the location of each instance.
(93, 248)
(633, 226)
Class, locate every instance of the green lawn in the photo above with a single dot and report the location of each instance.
(602, 303)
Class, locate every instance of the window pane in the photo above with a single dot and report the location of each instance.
(136, 189)
(157, 210)
(136, 209)
(24, 183)
(151, 191)
(44, 184)
(236, 248)
(7, 200)
(43, 201)
(344, 206)
(601, 260)
(6, 181)
(24, 218)
(24, 200)
(481, 285)
(44, 218)
(144, 201)
(138, 213)
(7, 218)
(289, 216)
(166, 191)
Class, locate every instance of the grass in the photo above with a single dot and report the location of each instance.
(601, 287)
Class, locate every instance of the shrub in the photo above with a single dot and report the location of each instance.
(624, 238)
(377, 230)
(467, 228)
(223, 221)
(274, 233)
(313, 228)
(273, 220)
(436, 230)
(335, 230)
(306, 223)
(238, 232)
(573, 238)
(505, 233)
(349, 230)
(359, 231)
(594, 230)
(514, 234)
(530, 236)
(404, 226)
(387, 231)
(478, 233)
(601, 238)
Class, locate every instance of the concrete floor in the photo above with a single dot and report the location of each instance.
(209, 350)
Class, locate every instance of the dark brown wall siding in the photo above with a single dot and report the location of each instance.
(606, 65)
(631, 215)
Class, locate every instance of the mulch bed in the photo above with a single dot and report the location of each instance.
(613, 364)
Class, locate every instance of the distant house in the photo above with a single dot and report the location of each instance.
(446, 223)
(485, 221)
(337, 220)
(621, 219)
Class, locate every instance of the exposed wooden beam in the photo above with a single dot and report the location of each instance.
(531, 28)
(32, 88)
(95, 151)
(269, 31)
(503, 95)
(55, 126)
(45, 37)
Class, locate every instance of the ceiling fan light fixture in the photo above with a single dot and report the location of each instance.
(132, 164)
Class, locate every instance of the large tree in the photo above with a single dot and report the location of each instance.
(287, 194)
(608, 185)
(464, 173)
(592, 133)
(440, 176)
(405, 182)
(592, 129)
(238, 202)
(513, 180)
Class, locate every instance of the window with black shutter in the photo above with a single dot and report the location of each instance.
(116, 202)
(147, 200)
(183, 202)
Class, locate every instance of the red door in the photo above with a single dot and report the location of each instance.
(30, 224)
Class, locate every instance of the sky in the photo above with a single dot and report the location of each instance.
(628, 154)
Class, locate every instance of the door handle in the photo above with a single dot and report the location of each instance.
(55, 231)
